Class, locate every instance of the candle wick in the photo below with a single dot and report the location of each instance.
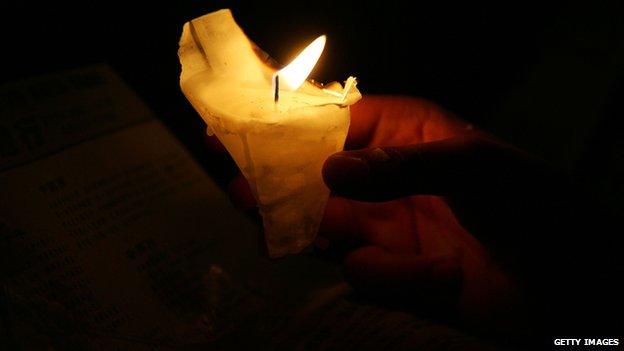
(276, 96)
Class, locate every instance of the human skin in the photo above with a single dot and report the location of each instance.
(434, 215)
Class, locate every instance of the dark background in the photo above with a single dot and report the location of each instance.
(548, 77)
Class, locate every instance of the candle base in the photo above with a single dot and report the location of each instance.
(283, 164)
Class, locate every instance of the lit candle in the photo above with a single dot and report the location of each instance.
(278, 127)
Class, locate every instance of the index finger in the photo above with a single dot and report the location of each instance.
(382, 120)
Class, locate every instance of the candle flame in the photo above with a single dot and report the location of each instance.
(292, 76)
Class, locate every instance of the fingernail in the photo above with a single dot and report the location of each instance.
(342, 169)
(378, 155)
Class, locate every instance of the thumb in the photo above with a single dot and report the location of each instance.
(446, 167)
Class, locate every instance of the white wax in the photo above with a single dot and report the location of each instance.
(280, 147)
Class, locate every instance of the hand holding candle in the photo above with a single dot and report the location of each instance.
(279, 138)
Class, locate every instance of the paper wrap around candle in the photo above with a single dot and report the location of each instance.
(279, 147)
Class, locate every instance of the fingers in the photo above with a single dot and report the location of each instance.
(396, 120)
(390, 120)
(447, 167)
(419, 279)
(364, 117)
